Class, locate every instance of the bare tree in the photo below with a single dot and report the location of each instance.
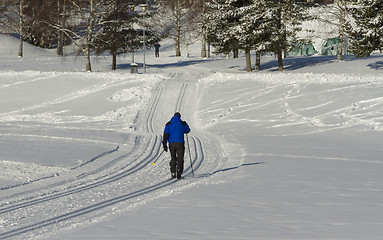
(175, 18)
(335, 15)
(81, 25)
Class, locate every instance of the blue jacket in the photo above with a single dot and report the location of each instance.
(175, 130)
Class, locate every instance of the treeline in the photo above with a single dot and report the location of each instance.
(273, 25)
(119, 26)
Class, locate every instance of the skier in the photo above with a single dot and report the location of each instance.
(157, 49)
(174, 134)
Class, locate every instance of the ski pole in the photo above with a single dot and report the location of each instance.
(158, 157)
(191, 163)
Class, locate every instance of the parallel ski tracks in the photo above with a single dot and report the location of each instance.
(181, 97)
(139, 159)
(149, 124)
(150, 119)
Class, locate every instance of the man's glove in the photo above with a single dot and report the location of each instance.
(165, 147)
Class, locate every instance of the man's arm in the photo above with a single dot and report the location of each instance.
(187, 128)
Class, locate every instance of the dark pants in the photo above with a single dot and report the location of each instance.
(177, 152)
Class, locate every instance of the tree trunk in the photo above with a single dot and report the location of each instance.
(178, 40)
(178, 29)
(339, 50)
(280, 59)
(281, 40)
(178, 47)
(88, 66)
(235, 53)
(114, 61)
(21, 28)
(203, 48)
(342, 21)
(258, 61)
(89, 36)
(208, 50)
(248, 60)
(61, 21)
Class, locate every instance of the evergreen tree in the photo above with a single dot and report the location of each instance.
(116, 29)
(367, 33)
(263, 25)
(229, 27)
(220, 22)
(254, 35)
(286, 17)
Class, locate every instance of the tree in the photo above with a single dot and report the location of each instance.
(175, 17)
(253, 33)
(367, 31)
(85, 16)
(221, 21)
(201, 22)
(286, 17)
(116, 26)
(336, 15)
(29, 17)
(36, 32)
(263, 25)
(117, 33)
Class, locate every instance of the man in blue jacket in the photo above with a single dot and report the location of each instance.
(174, 134)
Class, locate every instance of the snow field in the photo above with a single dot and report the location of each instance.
(293, 155)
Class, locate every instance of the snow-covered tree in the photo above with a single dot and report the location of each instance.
(226, 27)
(261, 25)
(220, 22)
(253, 31)
(367, 31)
(286, 17)
(116, 29)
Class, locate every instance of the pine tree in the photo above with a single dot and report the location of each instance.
(262, 25)
(229, 27)
(367, 34)
(220, 22)
(286, 17)
(255, 23)
(116, 29)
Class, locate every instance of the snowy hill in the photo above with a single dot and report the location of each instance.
(9, 46)
(292, 155)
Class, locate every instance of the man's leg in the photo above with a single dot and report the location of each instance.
(173, 160)
(180, 159)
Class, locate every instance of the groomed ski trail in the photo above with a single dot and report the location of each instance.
(113, 181)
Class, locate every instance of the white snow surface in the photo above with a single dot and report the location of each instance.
(292, 155)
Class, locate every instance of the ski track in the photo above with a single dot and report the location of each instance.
(122, 175)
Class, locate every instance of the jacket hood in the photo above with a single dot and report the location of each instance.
(176, 118)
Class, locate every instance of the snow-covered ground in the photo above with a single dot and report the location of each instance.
(292, 155)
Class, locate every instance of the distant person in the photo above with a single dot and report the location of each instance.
(157, 49)
(174, 134)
